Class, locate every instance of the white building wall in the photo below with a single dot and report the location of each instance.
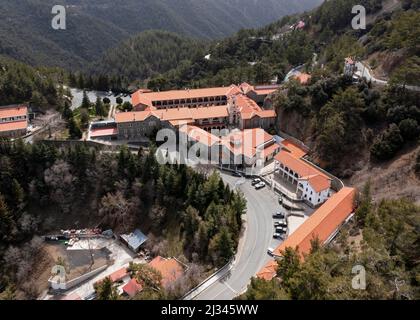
(310, 195)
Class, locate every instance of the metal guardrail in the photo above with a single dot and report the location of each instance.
(200, 288)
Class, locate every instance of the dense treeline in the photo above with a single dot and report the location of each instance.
(44, 189)
(258, 55)
(21, 83)
(94, 26)
(263, 55)
(383, 239)
(341, 115)
(148, 54)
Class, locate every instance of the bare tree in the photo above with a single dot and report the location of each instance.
(61, 183)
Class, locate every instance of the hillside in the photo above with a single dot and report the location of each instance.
(94, 26)
(148, 54)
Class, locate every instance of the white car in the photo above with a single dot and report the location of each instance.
(270, 251)
(260, 185)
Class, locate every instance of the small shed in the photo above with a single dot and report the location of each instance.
(134, 240)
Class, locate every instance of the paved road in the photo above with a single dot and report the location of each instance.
(252, 256)
(364, 72)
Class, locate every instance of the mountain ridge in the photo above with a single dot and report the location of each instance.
(95, 26)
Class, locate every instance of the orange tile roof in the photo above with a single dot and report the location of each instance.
(246, 142)
(246, 87)
(299, 166)
(248, 108)
(11, 126)
(118, 275)
(103, 132)
(210, 112)
(303, 78)
(270, 150)
(122, 117)
(266, 89)
(267, 114)
(199, 135)
(321, 224)
(132, 288)
(246, 105)
(318, 182)
(140, 97)
(269, 271)
(170, 269)
(13, 111)
(179, 123)
(173, 114)
(294, 149)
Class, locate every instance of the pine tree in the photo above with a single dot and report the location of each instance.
(6, 221)
(86, 104)
(106, 290)
(74, 130)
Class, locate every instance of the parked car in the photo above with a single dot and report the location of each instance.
(255, 181)
(236, 174)
(278, 235)
(270, 251)
(281, 223)
(279, 215)
(281, 230)
(259, 185)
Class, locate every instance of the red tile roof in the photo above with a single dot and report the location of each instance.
(174, 114)
(170, 269)
(199, 135)
(13, 111)
(140, 97)
(11, 126)
(321, 224)
(318, 182)
(118, 275)
(269, 271)
(295, 150)
(122, 117)
(246, 142)
(299, 166)
(103, 132)
(270, 150)
(132, 288)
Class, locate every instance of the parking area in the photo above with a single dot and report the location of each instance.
(288, 220)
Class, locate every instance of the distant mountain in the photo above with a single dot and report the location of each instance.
(94, 26)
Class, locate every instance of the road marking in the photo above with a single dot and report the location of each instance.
(230, 288)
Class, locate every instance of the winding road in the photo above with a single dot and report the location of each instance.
(364, 71)
(252, 252)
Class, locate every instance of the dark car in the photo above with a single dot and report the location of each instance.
(236, 174)
(281, 223)
(281, 230)
(278, 236)
(279, 215)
